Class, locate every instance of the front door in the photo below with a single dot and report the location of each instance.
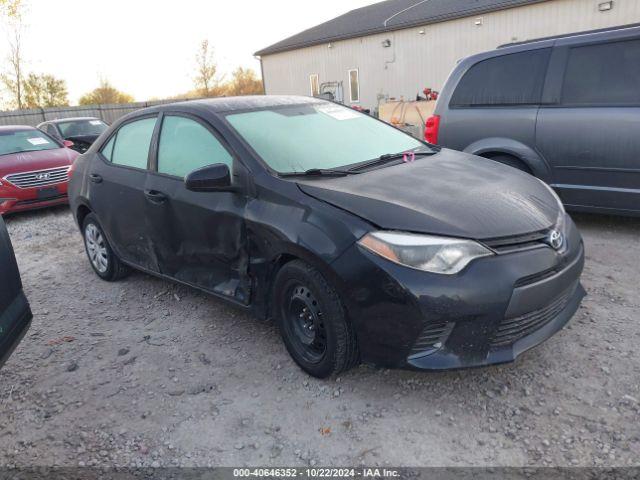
(117, 191)
(591, 138)
(15, 313)
(198, 237)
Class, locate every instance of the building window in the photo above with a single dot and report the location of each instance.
(354, 86)
(315, 85)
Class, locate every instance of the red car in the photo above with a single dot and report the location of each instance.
(34, 169)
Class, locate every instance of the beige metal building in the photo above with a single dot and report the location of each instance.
(394, 49)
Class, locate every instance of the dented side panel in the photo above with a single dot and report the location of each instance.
(200, 238)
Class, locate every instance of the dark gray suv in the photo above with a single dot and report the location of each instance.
(566, 109)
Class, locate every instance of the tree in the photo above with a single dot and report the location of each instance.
(10, 8)
(245, 82)
(13, 78)
(44, 91)
(105, 94)
(206, 80)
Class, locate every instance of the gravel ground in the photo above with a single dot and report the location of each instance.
(147, 373)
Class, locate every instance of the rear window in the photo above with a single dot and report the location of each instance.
(78, 128)
(603, 74)
(514, 79)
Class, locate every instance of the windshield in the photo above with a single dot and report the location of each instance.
(318, 136)
(25, 141)
(78, 128)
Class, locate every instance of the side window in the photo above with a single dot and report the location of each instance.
(132, 141)
(186, 145)
(603, 74)
(49, 129)
(107, 150)
(514, 79)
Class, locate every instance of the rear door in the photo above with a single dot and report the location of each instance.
(198, 237)
(590, 138)
(117, 178)
(15, 314)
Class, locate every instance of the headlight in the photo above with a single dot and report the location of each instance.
(424, 252)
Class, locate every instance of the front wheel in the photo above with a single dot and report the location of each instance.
(313, 322)
(101, 257)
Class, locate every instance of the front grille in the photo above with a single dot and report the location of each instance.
(39, 178)
(518, 242)
(432, 338)
(513, 329)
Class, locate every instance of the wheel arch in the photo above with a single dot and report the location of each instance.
(81, 213)
(494, 146)
(266, 274)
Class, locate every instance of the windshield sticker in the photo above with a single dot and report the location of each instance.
(37, 141)
(338, 112)
(95, 122)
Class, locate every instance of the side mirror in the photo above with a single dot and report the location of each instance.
(67, 143)
(213, 178)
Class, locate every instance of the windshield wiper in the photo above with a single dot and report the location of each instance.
(319, 172)
(390, 157)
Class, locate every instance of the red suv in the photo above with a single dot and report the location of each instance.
(34, 169)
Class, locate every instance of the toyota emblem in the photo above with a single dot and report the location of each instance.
(556, 239)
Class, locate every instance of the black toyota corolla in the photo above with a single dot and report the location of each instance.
(363, 243)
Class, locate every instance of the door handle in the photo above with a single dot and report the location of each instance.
(95, 178)
(154, 196)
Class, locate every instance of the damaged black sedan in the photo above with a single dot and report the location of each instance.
(363, 243)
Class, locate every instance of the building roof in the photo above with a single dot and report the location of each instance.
(388, 16)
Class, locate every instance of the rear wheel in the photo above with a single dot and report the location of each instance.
(313, 322)
(101, 257)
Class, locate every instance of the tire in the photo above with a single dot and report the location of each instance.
(313, 322)
(101, 257)
(512, 162)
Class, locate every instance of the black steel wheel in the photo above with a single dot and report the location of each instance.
(304, 323)
(312, 321)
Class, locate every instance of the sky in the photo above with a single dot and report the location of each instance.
(147, 48)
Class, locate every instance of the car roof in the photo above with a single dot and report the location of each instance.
(71, 119)
(15, 128)
(230, 104)
(586, 35)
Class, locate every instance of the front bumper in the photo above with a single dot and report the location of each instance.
(14, 199)
(490, 313)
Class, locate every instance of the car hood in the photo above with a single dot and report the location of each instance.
(38, 160)
(450, 193)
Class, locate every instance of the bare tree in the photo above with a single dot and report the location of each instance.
(206, 80)
(14, 77)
